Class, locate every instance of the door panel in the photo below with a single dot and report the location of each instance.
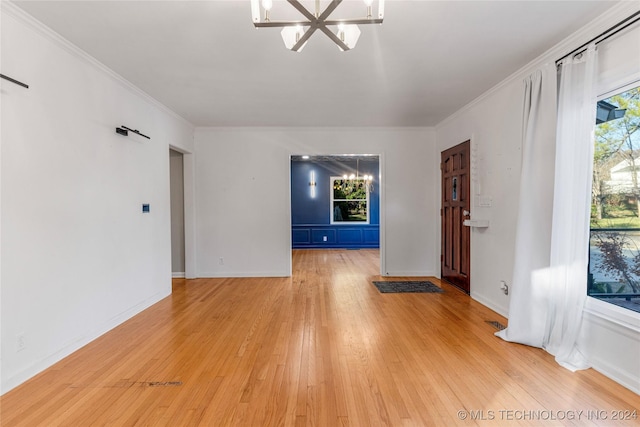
(456, 204)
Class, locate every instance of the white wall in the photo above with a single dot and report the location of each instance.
(494, 130)
(243, 202)
(493, 122)
(78, 255)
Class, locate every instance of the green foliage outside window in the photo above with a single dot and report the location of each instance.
(616, 200)
(614, 257)
(349, 200)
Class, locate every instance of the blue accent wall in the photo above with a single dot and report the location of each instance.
(311, 211)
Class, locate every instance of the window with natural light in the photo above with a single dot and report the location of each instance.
(350, 200)
(614, 250)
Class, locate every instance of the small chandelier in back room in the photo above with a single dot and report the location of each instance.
(353, 182)
(296, 33)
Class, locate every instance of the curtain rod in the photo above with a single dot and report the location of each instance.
(610, 32)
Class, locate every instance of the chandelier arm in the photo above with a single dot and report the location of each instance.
(332, 6)
(356, 21)
(303, 10)
(272, 24)
(296, 47)
(335, 38)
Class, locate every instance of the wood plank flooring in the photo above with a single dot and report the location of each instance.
(322, 348)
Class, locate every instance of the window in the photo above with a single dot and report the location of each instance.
(614, 250)
(349, 200)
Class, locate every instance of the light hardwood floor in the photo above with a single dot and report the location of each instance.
(321, 348)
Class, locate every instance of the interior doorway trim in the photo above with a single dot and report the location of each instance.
(381, 187)
(188, 162)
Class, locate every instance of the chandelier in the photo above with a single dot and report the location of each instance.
(295, 34)
(355, 182)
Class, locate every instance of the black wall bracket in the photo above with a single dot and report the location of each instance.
(123, 130)
(14, 81)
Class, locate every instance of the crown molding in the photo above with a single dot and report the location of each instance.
(608, 19)
(10, 8)
(316, 129)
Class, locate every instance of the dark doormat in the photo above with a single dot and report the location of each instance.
(419, 287)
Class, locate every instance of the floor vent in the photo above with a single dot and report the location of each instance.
(499, 326)
(164, 383)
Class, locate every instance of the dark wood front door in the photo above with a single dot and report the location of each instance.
(456, 205)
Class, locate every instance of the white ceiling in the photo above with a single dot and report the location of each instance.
(205, 61)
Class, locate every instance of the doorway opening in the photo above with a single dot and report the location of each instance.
(176, 178)
(335, 201)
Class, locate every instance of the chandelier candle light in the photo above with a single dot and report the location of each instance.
(353, 181)
(296, 33)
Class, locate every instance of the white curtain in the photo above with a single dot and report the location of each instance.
(528, 308)
(547, 303)
(571, 208)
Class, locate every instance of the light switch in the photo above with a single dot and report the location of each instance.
(485, 202)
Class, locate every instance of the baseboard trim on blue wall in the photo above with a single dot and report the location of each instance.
(353, 247)
(352, 236)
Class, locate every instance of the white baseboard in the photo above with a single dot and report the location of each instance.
(426, 273)
(618, 329)
(487, 303)
(79, 342)
(609, 370)
(178, 275)
(235, 274)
